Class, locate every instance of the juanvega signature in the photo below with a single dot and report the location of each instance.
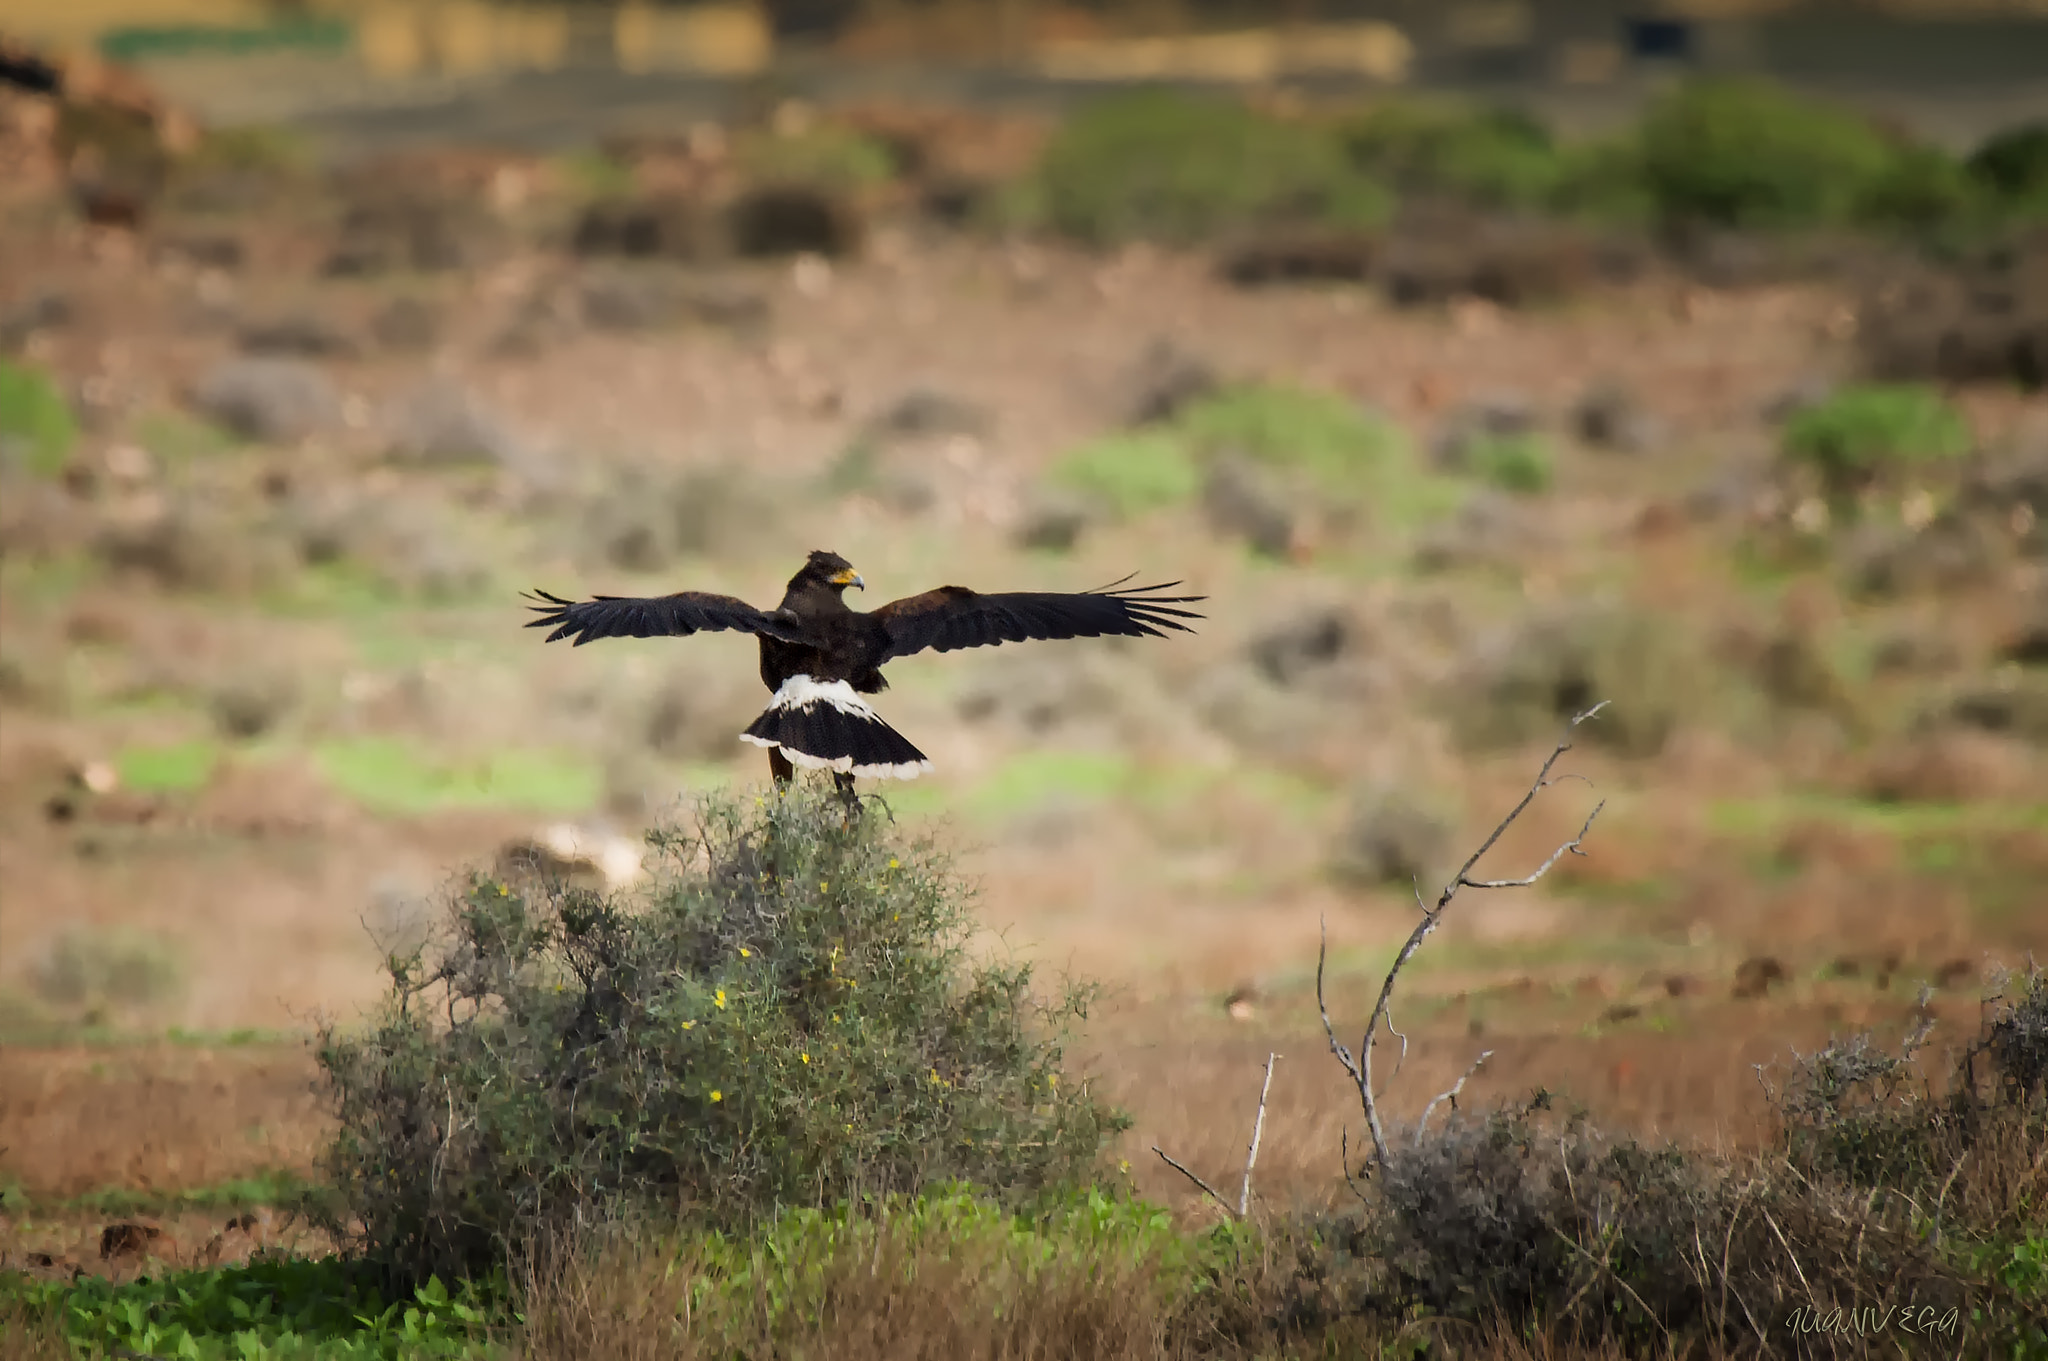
(1923, 1319)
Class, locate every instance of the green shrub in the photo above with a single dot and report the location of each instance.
(36, 424)
(1131, 473)
(1498, 158)
(1861, 433)
(827, 156)
(2013, 164)
(1924, 191)
(1177, 168)
(1330, 438)
(1516, 462)
(785, 1018)
(1746, 154)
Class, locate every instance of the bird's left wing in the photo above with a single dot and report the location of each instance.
(661, 616)
(955, 617)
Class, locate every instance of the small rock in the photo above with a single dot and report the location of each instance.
(1956, 973)
(1953, 551)
(1392, 835)
(1241, 501)
(307, 335)
(1054, 523)
(2018, 705)
(440, 422)
(42, 311)
(1609, 415)
(1296, 256)
(1290, 651)
(407, 325)
(930, 411)
(128, 1239)
(270, 400)
(1497, 417)
(793, 219)
(1756, 976)
(1166, 380)
(2028, 644)
(249, 707)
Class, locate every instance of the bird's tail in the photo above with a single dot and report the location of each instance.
(826, 725)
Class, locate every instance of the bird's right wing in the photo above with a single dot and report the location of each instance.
(661, 616)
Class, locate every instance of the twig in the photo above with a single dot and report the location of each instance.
(1360, 1067)
(1244, 1196)
(1450, 1095)
(1213, 1195)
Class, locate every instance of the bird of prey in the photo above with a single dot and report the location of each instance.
(821, 658)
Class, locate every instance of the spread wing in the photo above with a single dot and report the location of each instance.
(955, 617)
(661, 616)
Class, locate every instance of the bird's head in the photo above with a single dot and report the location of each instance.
(831, 570)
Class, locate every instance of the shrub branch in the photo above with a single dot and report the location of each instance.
(1251, 1157)
(1359, 1066)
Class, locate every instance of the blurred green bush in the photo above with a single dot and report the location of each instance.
(1177, 168)
(1864, 433)
(36, 424)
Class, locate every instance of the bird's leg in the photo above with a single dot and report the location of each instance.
(846, 794)
(779, 766)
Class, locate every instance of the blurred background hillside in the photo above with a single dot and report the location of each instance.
(1479, 361)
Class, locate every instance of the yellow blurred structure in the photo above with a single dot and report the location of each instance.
(1379, 51)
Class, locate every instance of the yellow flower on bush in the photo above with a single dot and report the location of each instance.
(745, 953)
(894, 864)
(718, 999)
(805, 1057)
(689, 1025)
(717, 1095)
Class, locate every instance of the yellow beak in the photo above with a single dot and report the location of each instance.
(849, 577)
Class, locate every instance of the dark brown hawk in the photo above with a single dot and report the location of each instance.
(820, 658)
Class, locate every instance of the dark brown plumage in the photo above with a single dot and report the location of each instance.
(819, 657)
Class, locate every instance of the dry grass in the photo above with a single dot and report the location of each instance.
(898, 1303)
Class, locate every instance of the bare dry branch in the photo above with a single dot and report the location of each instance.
(1450, 1095)
(1359, 1067)
(1212, 1193)
(1244, 1196)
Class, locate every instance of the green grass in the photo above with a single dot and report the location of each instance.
(175, 437)
(274, 1187)
(1514, 463)
(393, 776)
(35, 420)
(1865, 430)
(1131, 473)
(1759, 818)
(177, 768)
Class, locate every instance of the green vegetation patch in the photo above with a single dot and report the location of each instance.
(393, 776)
(1320, 445)
(175, 768)
(36, 423)
(1741, 153)
(1867, 430)
(1500, 158)
(271, 1307)
(827, 155)
(1176, 168)
(276, 1187)
(1519, 463)
(1132, 472)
